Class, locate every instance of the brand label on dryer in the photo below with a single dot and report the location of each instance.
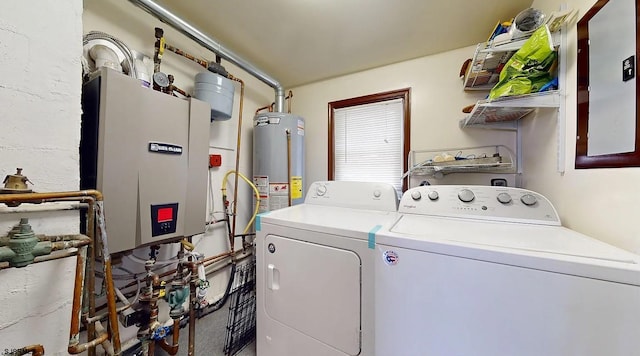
(390, 257)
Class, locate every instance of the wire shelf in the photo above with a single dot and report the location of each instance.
(509, 108)
(481, 159)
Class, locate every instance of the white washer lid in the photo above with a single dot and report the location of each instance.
(552, 248)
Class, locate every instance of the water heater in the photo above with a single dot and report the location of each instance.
(278, 159)
(147, 152)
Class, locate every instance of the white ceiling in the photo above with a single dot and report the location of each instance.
(303, 41)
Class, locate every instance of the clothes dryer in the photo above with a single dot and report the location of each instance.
(314, 270)
(486, 271)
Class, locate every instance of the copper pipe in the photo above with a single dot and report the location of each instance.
(153, 316)
(69, 241)
(237, 169)
(43, 197)
(62, 244)
(111, 296)
(271, 107)
(74, 338)
(193, 300)
(176, 334)
(262, 108)
(180, 52)
(35, 350)
(173, 348)
(289, 97)
(288, 132)
(88, 298)
(180, 91)
(76, 308)
(78, 348)
(158, 49)
(151, 349)
(89, 304)
(111, 307)
(215, 257)
(171, 272)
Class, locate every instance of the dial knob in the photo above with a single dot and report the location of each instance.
(528, 199)
(466, 195)
(321, 190)
(415, 195)
(433, 195)
(377, 193)
(504, 198)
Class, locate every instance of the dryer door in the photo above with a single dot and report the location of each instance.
(315, 290)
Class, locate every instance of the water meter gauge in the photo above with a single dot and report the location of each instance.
(161, 79)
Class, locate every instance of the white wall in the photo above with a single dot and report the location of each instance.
(40, 131)
(598, 202)
(437, 100)
(40, 86)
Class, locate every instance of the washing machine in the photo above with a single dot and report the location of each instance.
(314, 270)
(490, 271)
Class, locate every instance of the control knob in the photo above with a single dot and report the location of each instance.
(415, 195)
(377, 193)
(528, 199)
(433, 195)
(321, 190)
(466, 195)
(504, 198)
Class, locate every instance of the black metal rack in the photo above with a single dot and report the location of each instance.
(241, 325)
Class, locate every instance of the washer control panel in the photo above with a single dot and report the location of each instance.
(357, 195)
(481, 202)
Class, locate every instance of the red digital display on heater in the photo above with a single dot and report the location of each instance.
(165, 214)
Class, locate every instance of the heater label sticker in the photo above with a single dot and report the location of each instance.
(278, 196)
(301, 127)
(165, 148)
(296, 187)
(262, 184)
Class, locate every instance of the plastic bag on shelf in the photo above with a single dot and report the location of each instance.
(528, 70)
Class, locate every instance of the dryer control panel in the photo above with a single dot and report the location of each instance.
(482, 202)
(356, 195)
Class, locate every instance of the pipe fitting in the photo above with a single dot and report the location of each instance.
(23, 246)
(176, 298)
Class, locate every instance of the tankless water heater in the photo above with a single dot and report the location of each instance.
(147, 153)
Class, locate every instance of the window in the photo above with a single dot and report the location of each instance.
(369, 138)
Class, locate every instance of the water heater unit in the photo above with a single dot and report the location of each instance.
(147, 152)
(278, 159)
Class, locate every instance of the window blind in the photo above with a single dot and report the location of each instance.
(368, 143)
